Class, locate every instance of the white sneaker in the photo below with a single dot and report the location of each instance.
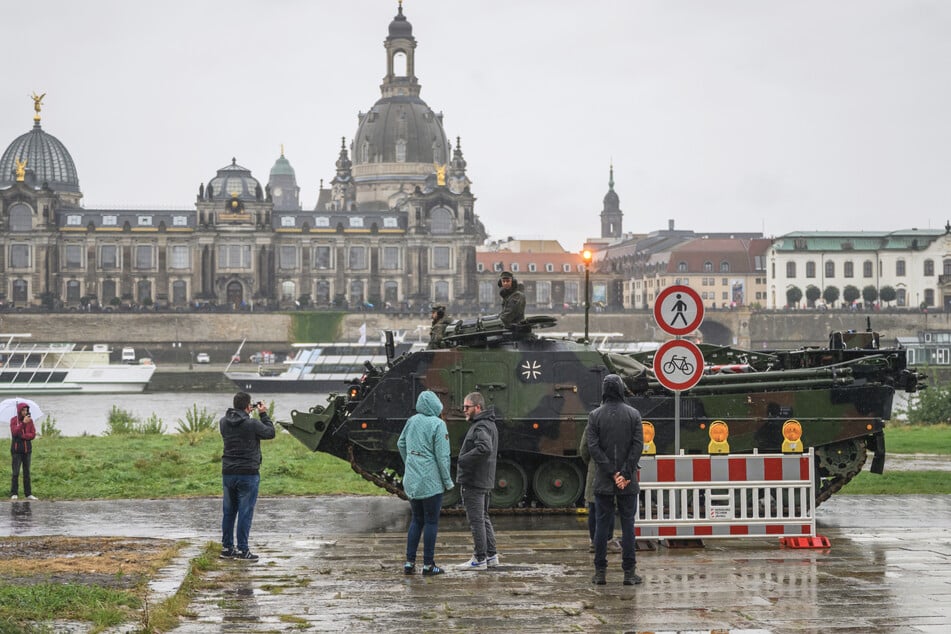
(14, 497)
(472, 564)
(493, 561)
(32, 497)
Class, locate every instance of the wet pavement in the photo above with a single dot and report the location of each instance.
(334, 564)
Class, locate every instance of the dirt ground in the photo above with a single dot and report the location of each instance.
(113, 562)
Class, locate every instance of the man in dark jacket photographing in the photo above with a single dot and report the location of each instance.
(240, 475)
(615, 441)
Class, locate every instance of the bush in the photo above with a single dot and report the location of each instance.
(121, 422)
(931, 406)
(48, 428)
(153, 425)
(196, 422)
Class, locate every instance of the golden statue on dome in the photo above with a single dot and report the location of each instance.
(37, 103)
(20, 169)
(440, 174)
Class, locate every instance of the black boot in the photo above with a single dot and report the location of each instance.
(598, 578)
(631, 579)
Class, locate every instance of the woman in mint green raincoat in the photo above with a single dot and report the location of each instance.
(424, 446)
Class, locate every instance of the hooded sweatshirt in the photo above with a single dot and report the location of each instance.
(615, 439)
(242, 437)
(424, 446)
(22, 432)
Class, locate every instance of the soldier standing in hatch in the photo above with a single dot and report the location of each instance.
(513, 300)
(438, 329)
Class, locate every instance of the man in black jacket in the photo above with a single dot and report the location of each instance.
(240, 475)
(475, 476)
(615, 441)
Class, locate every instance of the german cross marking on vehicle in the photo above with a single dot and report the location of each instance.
(531, 370)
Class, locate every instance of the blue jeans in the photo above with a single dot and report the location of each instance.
(425, 522)
(627, 509)
(240, 496)
(476, 502)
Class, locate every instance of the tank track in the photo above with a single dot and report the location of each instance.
(827, 488)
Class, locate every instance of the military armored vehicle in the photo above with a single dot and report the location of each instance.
(835, 398)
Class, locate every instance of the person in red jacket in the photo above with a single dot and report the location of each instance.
(22, 433)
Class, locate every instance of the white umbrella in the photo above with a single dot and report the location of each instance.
(8, 409)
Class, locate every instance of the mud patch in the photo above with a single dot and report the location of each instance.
(110, 562)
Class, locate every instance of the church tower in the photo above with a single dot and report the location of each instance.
(611, 215)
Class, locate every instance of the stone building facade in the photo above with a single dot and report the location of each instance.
(396, 226)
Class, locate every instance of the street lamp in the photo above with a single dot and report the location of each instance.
(586, 256)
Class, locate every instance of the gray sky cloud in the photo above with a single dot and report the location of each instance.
(738, 115)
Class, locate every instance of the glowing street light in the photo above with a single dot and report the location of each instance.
(586, 256)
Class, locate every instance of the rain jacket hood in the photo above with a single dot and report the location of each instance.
(424, 447)
(612, 388)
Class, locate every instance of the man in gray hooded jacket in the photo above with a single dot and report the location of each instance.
(475, 475)
(615, 441)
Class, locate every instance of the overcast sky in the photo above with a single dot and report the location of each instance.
(734, 115)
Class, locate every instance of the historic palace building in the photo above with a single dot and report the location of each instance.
(397, 225)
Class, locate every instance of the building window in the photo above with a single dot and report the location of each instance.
(72, 291)
(929, 268)
(724, 267)
(571, 292)
(810, 269)
(929, 297)
(440, 221)
(74, 220)
(401, 151)
(21, 218)
(179, 292)
(390, 294)
(790, 269)
(566, 268)
(480, 267)
(867, 268)
(900, 268)
(848, 269)
(487, 292)
(288, 221)
(900, 295)
(830, 269)
(514, 267)
(108, 256)
(708, 267)
(391, 258)
(321, 221)
(390, 222)
(143, 257)
(145, 221)
(549, 268)
(288, 291)
(179, 221)
(365, 152)
(441, 291)
(356, 294)
(19, 290)
(356, 222)
(440, 258)
(19, 256)
(179, 257)
(73, 256)
(144, 291)
(108, 292)
(532, 268)
(358, 260)
(234, 256)
(110, 221)
(288, 257)
(322, 294)
(321, 257)
(543, 293)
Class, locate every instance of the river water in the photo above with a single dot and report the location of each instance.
(78, 414)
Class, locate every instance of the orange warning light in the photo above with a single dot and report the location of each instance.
(703, 425)
(363, 425)
(534, 425)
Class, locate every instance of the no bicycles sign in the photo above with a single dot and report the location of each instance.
(678, 364)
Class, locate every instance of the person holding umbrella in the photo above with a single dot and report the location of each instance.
(22, 433)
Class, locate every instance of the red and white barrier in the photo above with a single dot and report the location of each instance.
(727, 495)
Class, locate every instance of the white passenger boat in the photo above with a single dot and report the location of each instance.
(55, 368)
(319, 368)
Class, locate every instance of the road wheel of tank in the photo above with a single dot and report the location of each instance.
(451, 498)
(557, 483)
(511, 484)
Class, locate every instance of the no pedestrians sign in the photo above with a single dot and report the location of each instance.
(678, 310)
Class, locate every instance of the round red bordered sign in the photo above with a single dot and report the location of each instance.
(678, 364)
(678, 310)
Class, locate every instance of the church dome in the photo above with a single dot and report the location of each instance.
(400, 26)
(234, 180)
(47, 161)
(400, 129)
